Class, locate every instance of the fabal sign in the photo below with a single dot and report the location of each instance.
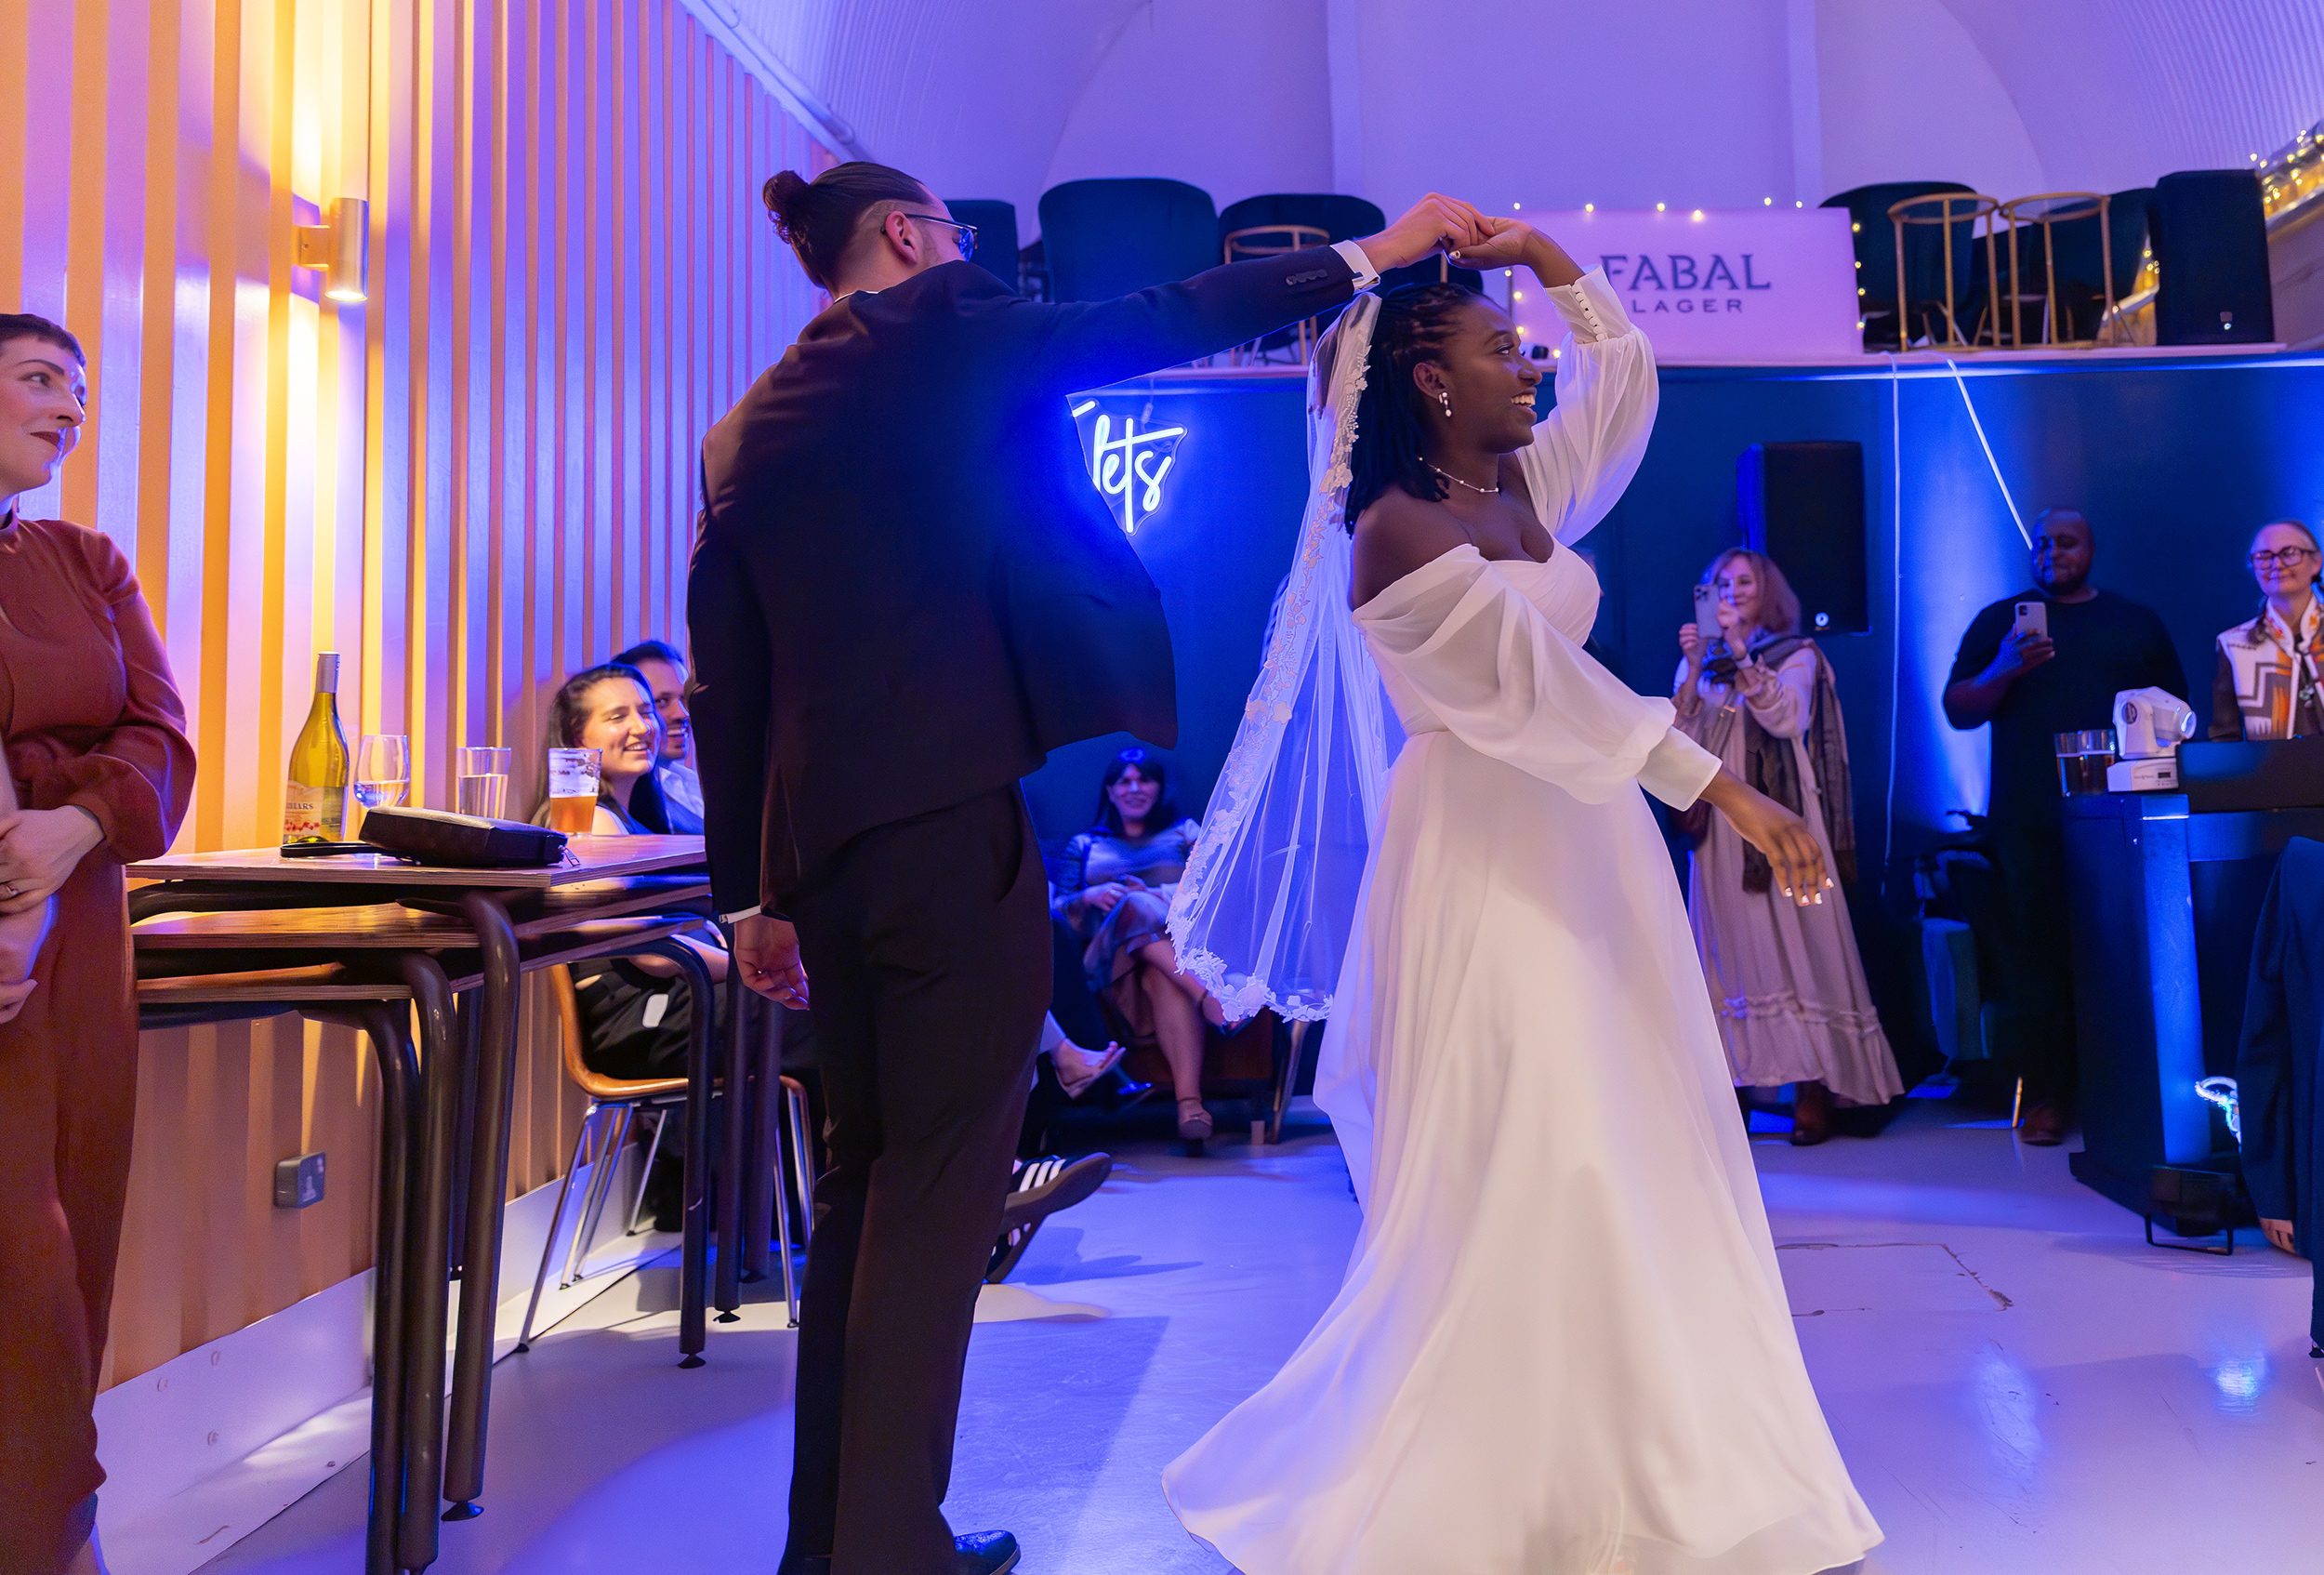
(1718, 285)
(1130, 458)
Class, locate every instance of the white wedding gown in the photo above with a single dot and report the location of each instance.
(1563, 1346)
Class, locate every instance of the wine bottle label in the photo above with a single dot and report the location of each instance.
(313, 811)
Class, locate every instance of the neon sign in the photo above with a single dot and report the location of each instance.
(2223, 1093)
(1128, 469)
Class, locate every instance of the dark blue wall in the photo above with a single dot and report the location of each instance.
(2175, 460)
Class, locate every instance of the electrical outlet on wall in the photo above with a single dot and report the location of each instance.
(298, 1181)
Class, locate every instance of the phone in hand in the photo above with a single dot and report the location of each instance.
(1707, 610)
(2033, 620)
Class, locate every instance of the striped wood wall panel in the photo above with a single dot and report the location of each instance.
(471, 485)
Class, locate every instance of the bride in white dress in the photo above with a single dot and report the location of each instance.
(1563, 1346)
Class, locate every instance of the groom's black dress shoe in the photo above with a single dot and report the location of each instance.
(983, 1553)
(986, 1552)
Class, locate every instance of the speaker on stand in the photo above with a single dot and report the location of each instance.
(1802, 505)
(2210, 231)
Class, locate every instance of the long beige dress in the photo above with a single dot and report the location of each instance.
(1786, 982)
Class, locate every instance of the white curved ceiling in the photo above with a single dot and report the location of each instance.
(999, 98)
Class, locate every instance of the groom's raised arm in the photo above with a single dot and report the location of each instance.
(1088, 344)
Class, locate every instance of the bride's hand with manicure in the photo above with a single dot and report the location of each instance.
(1435, 223)
(1794, 854)
(1512, 243)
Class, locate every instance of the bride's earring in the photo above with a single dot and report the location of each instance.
(1444, 397)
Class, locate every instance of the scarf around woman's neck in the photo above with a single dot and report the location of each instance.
(1771, 766)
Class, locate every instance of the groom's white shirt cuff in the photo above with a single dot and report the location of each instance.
(746, 913)
(1352, 254)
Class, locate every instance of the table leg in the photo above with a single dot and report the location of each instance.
(426, 1286)
(390, 1037)
(732, 1249)
(467, 1019)
(387, 1027)
(495, 1086)
(701, 1056)
(766, 1153)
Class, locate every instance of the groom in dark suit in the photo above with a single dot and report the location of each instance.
(905, 593)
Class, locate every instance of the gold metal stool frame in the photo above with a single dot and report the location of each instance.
(2047, 209)
(1275, 239)
(1980, 210)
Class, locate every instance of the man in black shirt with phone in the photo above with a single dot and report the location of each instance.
(2043, 662)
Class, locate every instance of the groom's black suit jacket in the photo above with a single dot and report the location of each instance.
(904, 589)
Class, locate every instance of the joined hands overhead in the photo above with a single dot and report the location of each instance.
(1472, 238)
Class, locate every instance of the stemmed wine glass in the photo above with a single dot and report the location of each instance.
(382, 772)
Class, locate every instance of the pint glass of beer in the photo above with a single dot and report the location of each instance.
(573, 790)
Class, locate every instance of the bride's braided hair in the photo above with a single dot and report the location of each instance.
(1415, 321)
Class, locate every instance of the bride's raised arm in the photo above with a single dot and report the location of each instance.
(1585, 451)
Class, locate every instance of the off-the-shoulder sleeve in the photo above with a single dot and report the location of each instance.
(136, 776)
(1585, 451)
(1507, 683)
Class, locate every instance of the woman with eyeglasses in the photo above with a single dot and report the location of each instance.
(2271, 670)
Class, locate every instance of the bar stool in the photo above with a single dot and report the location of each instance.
(1913, 216)
(1275, 239)
(2044, 212)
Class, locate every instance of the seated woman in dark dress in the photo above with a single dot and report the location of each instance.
(1114, 884)
(637, 1019)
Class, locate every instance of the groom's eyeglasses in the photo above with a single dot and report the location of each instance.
(964, 233)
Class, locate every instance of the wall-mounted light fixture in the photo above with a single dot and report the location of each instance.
(339, 247)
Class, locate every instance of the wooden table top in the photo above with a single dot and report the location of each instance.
(389, 926)
(350, 981)
(593, 858)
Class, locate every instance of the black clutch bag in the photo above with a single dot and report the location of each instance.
(462, 842)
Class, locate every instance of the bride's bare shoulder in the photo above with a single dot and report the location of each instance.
(1396, 534)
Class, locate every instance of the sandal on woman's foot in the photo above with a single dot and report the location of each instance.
(1195, 1125)
(1096, 1063)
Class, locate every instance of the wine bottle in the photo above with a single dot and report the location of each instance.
(314, 800)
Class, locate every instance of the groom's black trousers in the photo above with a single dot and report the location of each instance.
(927, 947)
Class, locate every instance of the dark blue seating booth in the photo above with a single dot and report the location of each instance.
(1107, 238)
(995, 224)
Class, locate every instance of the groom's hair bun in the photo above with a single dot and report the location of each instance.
(820, 218)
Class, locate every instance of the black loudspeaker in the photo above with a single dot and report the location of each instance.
(2211, 244)
(1802, 505)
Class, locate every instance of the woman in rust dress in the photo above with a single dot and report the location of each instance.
(98, 772)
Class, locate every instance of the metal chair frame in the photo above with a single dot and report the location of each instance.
(614, 1104)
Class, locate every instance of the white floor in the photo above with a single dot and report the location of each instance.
(2018, 1382)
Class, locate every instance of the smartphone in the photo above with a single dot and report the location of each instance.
(1707, 610)
(2033, 619)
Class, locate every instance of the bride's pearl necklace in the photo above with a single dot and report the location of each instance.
(1482, 491)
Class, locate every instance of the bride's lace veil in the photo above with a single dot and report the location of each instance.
(1263, 912)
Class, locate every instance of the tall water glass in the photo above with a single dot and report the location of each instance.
(483, 786)
(382, 774)
(573, 777)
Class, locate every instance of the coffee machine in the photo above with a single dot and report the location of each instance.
(2149, 725)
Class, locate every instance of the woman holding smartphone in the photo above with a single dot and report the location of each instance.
(1786, 981)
